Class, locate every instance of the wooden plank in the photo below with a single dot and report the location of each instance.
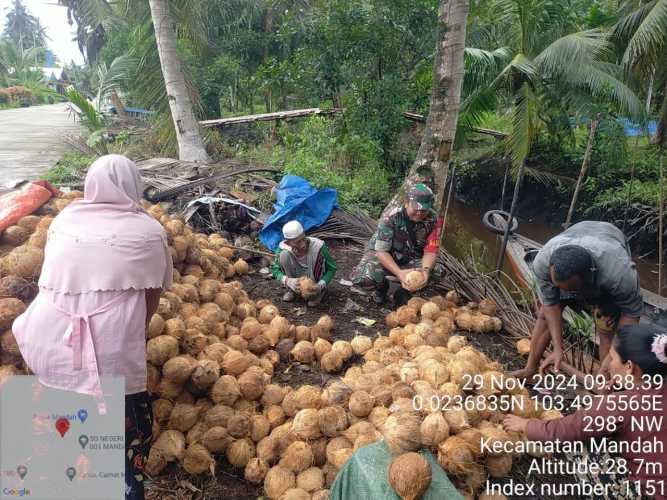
(416, 117)
(264, 117)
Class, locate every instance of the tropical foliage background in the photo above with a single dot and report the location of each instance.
(537, 71)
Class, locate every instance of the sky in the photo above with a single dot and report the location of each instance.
(54, 20)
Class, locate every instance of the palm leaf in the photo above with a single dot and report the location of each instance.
(571, 50)
(650, 34)
(89, 116)
(524, 125)
(599, 79)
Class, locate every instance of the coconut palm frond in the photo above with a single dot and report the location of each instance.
(571, 50)
(109, 78)
(524, 125)
(598, 80)
(88, 115)
(650, 35)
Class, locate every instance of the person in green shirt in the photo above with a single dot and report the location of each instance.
(300, 256)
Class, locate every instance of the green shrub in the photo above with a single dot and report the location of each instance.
(347, 162)
(70, 169)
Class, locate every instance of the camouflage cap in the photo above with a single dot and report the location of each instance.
(421, 196)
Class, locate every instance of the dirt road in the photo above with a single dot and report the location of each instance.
(31, 140)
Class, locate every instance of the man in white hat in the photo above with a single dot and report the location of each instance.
(300, 256)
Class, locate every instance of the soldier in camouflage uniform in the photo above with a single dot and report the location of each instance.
(406, 239)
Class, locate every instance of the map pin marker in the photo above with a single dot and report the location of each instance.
(83, 440)
(62, 425)
(83, 415)
(70, 472)
(22, 471)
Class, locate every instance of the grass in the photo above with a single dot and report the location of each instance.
(70, 169)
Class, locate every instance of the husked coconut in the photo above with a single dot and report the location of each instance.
(198, 460)
(402, 432)
(360, 344)
(456, 456)
(277, 481)
(216, 439)
(410, 475)
(303, 352)
(361, 403)
(331, 361)
(434, 429)
(523, 347)
(158, 349)
(311, 479)
(306, 424)
(256, 470)
(415, 280)
(332, 420)
(240, 452)
(297, 457)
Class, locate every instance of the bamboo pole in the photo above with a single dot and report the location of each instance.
(449, 199)
(508, 226)
(661, 202)
(582, 172)
(632, 183)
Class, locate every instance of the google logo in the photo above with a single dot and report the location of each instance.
(16, 493)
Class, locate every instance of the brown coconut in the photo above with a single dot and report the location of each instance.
(332, 420)
(303, 352)
(278, 480)
(523, 347)
(361, 403)
(268, 449)
(225, 390)
(235, 363)
(402, 432)
(499, 466)
(308, 287)
(158, 349)
(183, 417)
(434, 429)
(306, 424)
(198, 460)
(240, 452)
(297, 457)
(415, 280)
(256, 470)
(24, 261)
(275, 415)
(409, 475)
(204, 375)
(310, 480)
(321, 348)
(216, 439)
(17, 288)
(361, 344)
(332, 362)
(456, 456)
(251, 385)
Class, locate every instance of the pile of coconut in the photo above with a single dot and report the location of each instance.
(212, 352)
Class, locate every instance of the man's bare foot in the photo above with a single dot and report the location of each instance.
(524, 373)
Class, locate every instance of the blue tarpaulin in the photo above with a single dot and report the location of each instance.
(297, 199)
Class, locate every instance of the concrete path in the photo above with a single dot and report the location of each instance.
(31, 140)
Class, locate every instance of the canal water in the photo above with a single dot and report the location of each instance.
(465, 235)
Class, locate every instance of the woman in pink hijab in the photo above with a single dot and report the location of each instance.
(106, 263)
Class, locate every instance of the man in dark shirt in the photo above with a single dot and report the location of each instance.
(587, 266)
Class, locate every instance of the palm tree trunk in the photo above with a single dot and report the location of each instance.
(120, 108)
(582, 172)
(439, 132)
(437, 141)
(190, 144)
(661, 136)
